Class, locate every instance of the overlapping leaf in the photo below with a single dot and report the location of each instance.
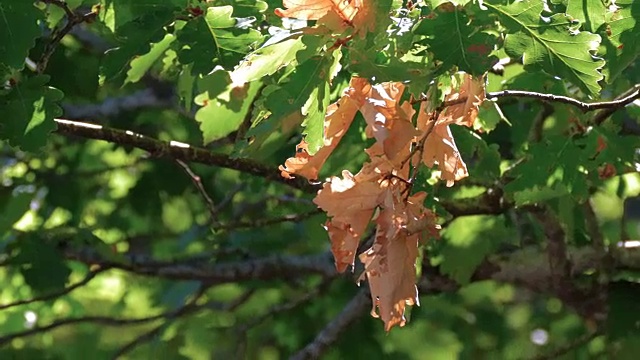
(337, 15)
(118, 13)
(619, 35)
(590, 13)
(316, 9)
(224, 104)
(455, 42)
(18, 32)
(338, 119)
(382, 183)
(134, 38)
(141, 64)
(215, 38)
(439, 146)
(550, 43)
(28, 112)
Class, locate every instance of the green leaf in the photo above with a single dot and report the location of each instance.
(18, 31)
(55, 13)
(315, 108)
(489, 116)
(539, 194)
(117, 13)
(620, 38)
(289, 100)
(134, 38)
(186, 82)
(142, 64)
(483, 161)
(467, 241)
(223, 112)
(589, 12)
(436, 3)
(14, 203)
(215, 38)
(245, 8)
(555, 160)
(454, 41)
(28, 111)
(376, 66)
(615, 148)
(43, 267)
(267, 60)
(552, 44)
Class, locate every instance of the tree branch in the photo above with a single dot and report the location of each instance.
(188, 307)
(177, 151)
(268, 268)
(627, 98)
(489, 203)
(56, 294)
(603, 115)
(559, 265)
(354, 309)
(261, 222)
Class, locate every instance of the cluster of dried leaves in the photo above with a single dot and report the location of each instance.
(380, 193)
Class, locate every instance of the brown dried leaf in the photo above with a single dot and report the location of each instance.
(350, 202)
(465, 113)
(337, 121)
(390, 262)
(388, 122)
(440, 147)
(316, 9)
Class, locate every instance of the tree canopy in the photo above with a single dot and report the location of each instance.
(190, 179)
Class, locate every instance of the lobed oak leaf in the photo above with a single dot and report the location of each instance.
(388, 121)
(336, 15)
(337, 121)
(465, 113)
(316, 9)
(390, 263)
(439, 146)
(350, 202)
(365, 18)
(420, 220)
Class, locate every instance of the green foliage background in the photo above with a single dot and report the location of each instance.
(70, 206)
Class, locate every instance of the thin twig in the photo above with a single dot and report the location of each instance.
(189, 307)
(354, 309)
(73, 19)
(582, 340)
(613, 105)
(56, 294)
(629, 95)
(197, 181)
(243, 329)
(139, 340)
(101, 320)
(559, 264)
(261, 222)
